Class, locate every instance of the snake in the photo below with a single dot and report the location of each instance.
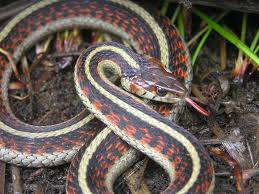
(118, 123)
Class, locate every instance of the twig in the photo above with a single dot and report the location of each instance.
(19, 97)
(13, 8)
(39, 189)
(2, 177)
(223, 54)
(16, 85)
(239, 5)
(236, 168)
(135, 178)
(12, 63)
(257, 144)
(59, 55)
(249, 173)
(223, 174)
(17, 186)
(202, 99)
(38, 172)
(27, 77)
(45, 116)
(250, 152)
(218, 141)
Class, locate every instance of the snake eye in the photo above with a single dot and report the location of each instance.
(161, 92)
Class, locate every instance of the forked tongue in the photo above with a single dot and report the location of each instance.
(197, 107)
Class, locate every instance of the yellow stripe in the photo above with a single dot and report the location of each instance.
(47, 134)
(118, 70)
(123, 54)
(22, 15)
(162, 126)
(82, 170)
(164, 48)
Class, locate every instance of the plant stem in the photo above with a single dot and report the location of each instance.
(237, 42)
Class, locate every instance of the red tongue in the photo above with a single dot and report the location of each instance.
(197, 107)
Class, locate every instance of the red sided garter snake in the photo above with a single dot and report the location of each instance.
(186, 161)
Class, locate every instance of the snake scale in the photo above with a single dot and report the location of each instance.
(104, 155)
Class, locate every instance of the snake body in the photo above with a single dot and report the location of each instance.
(186, 161)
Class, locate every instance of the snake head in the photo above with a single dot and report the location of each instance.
(155, 83)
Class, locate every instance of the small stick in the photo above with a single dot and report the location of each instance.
(250, 152)
(249, 6)
(27, 77)
(218, 141)
(257, 144)
(39, 189)
(135, 178)
(2, 177)
(223, 55)
(59, 55)
(16, 176)
(13, 8)
(11, 62)
(19, 97)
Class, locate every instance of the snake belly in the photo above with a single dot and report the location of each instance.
(35, 146)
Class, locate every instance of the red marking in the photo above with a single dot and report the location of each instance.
(134, 88)
(197, 188)
(2, 143)
(111, 157)
(41, 151)
(145, 130)
(59, 149)
(13, 145)
(43, 148)
(71, 190)
(113, 118)
(165, 111)
(205, 186)
(179, 71)
(125, 118)
(79, 78)
(88, 132)
(176, 62)
(176, 161)
(100, 158)
(169, 152)
(78, 143)
(120, 147)
(141, 29)
(97, 105)
(160, 144)
(141, 39)
(183, 74)
(109, 147)
(146, 139)
(99, 14)
(85, 91)
(130, 130)
(27, 148)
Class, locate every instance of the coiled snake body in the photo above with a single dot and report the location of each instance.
(179, 153)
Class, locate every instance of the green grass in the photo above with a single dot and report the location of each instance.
(229, 36)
